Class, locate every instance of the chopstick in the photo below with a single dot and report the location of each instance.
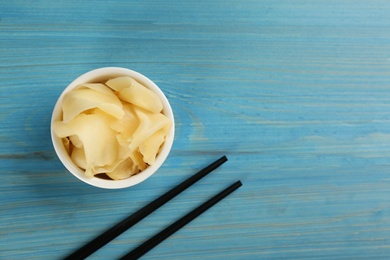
(161, 236)
(128, 222)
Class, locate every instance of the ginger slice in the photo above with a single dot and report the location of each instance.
(135, 93)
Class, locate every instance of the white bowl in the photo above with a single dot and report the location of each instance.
(99, 75)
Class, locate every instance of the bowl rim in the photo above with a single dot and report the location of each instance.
(99, 75)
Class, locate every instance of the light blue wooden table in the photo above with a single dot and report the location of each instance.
(295, 93)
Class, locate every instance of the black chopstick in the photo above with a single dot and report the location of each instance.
(128, 222)
(161, 236)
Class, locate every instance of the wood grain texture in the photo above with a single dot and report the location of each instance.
(295, 93)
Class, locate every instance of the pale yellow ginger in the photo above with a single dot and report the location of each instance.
(116, 127)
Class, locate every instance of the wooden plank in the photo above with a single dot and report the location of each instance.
(295, 93)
